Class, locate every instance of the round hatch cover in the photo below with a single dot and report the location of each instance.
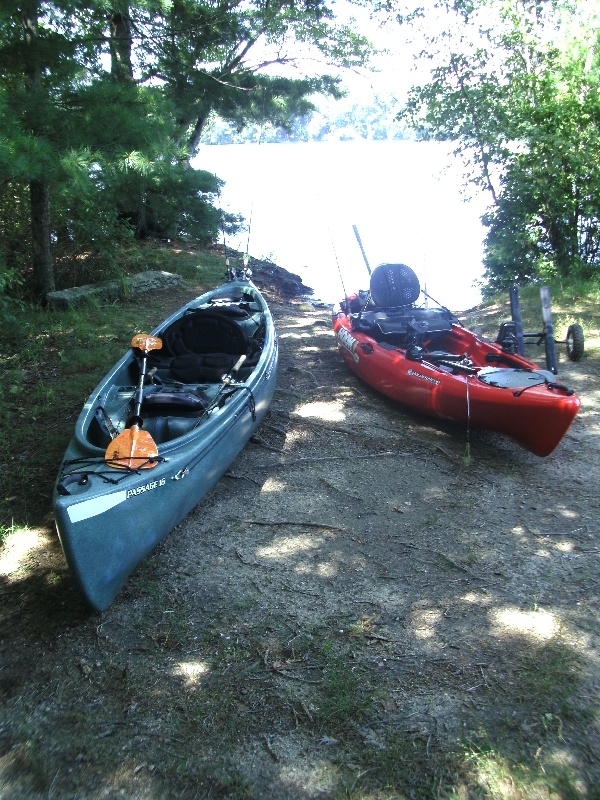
(510, 378)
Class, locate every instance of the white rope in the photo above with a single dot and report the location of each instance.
(467, 457)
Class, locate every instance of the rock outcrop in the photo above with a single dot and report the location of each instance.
(131, 285)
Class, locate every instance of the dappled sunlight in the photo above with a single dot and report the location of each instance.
(326, 411)
(505, 780)
(292, 438)
(298, 326)
(273, 485)
(589, 408)
(326, 570)
(296, 335)
(19, 545)
(295, 322)
(538, 625)
(567, 513)
(192, 671)
(304, 779)
(476, 598)
(323, 569)
(493, 773)
(565, 547)
(285, 546)
(425, 622)
(312, 350)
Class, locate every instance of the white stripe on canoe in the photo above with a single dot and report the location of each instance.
(95, 506)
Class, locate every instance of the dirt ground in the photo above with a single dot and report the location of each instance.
(356, 610)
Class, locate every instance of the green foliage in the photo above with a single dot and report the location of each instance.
(517, 88)
(108, 150)
(206, 61)
(343, 119)
(345, 699)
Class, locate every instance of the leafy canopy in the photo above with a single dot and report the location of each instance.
(516, 87)
(102, 106)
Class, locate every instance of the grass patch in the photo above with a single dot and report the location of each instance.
(487, 772)
(177, 257)
(550, 676)
(345, 696)
(403, 767)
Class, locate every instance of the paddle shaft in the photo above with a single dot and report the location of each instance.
(134, 448)
(139, 393)
(225, 382)
(145, 343)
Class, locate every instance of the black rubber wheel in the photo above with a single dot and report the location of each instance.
(575, 342)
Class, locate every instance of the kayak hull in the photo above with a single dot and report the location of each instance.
(109, 519)
(537, 416)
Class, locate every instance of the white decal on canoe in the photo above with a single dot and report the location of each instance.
(95, 506)
(146, 487)
(349, 342)
(98, 505)
(423, 377)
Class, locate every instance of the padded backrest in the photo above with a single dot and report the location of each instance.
(206, 331)
(394, 285)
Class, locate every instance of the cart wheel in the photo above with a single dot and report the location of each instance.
(575, 342)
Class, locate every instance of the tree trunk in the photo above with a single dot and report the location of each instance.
(121, 43)
(43, 274)
(39, 190)
(194, 140)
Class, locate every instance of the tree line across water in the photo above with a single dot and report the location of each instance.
(104, 104)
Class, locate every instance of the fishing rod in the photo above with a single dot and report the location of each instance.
(366, 260)
(246, 257)
(222, 226)
(338, 264)
(362, 249)
(444, 308)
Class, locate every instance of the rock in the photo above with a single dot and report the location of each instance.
(268, 275)
(113, 290)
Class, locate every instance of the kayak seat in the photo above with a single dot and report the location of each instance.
(398, 326)
(205, 343)
(178, 402)
(394, 286)
(207, 330)
(166, 428)
(391, 316)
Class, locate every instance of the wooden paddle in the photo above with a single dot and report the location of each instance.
(134, 448)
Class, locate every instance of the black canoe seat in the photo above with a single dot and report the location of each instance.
(186, 402)
(205, 343)
(166, 428)
(207, 330)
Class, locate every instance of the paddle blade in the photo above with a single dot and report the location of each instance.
(146, 343)
(132, 449)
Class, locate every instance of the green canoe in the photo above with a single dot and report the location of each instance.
(160, 430)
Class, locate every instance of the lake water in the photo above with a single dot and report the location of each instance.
(302, 199)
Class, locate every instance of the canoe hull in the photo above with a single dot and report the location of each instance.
(536, 418)
(111, 518)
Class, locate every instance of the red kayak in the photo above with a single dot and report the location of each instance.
(424, 359)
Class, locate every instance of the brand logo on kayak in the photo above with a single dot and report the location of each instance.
(423, 377)
(146, 487)
(349, 342)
